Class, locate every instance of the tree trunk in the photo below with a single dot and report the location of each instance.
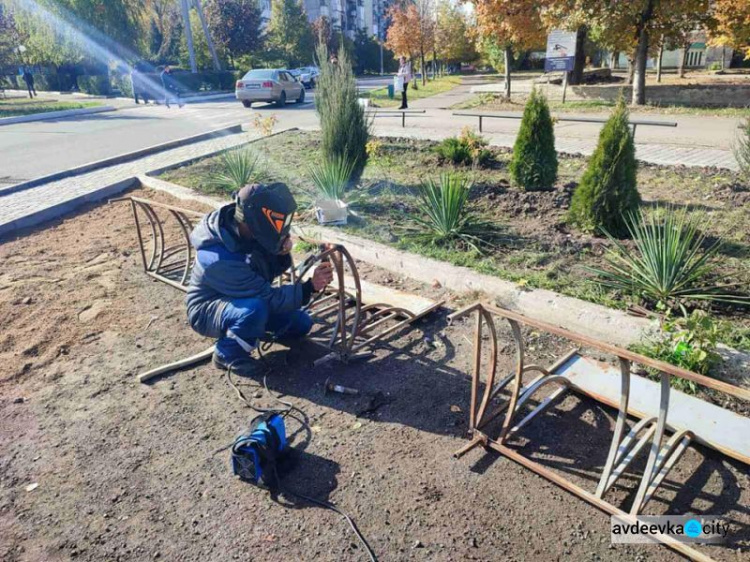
(508, 62)
(576, 77)
(658, 60)
(631, 69)
(424, 73)
(639, 75)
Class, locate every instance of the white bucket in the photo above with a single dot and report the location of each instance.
(331, 211)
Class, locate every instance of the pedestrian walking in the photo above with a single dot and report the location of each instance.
(28, 77)
(404, 76)
(170, 87)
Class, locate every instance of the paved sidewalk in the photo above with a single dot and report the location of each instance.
(47, 201)
(581, 139)
(37, 204)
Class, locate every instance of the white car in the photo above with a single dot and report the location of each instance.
(307, 75)
(269, 85)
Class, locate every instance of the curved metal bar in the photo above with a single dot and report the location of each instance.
(670, 454)
(539, 368)
(138, 232)
(367, 324)
(492, 370)
(338, 267)
(186, 235)
(619, 426)
(661, 424)
(158, 248)
(529, 392)
(630, 449)
(518, 380)
(149, 266)
(348, 259)
(627, 442)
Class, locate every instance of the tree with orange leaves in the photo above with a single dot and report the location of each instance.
(412, 31)
(511, 24)
(731, 25)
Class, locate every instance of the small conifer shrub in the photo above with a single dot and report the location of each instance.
(534, 163)
(608, 193)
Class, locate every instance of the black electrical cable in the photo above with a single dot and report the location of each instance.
(332, 507)
(284, 413)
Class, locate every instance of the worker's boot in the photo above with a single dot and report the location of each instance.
(243, 366)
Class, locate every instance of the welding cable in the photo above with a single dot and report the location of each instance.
(332, 507)
(287, 411)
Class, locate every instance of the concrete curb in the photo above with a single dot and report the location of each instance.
(120, 159)
(613, 326)
(49, 115)
(194, 97)
(179, 192)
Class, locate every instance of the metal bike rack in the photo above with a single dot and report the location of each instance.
(170, 263)
(689, 419)
(360, 321)
(363, 314)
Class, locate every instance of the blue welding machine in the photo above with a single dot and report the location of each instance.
(255, 454)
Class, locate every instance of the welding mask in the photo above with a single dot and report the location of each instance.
(267, 210)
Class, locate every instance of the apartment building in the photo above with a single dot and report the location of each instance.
(347, 16)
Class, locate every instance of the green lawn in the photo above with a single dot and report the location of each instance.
(14, 107)
(493, 102)
(534, 246)
(438, 86)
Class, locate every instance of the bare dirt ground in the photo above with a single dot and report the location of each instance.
(125, 471)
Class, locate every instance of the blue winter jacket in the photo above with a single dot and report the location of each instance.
(227, 268)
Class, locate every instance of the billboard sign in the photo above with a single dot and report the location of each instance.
(561, 51)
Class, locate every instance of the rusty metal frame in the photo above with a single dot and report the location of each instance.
(351, 333)
(352, 330)
(165, 262)
(624, 447)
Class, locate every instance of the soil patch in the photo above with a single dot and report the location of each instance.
(95, 466)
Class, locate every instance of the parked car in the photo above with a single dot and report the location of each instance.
(307, 75)
(269, 85)
(297, 74)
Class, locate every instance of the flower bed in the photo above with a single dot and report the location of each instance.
(531, 242)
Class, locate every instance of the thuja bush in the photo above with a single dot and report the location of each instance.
(534, 163)
(608, 193)
(344, 127)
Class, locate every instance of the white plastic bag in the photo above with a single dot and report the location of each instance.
(398, 83)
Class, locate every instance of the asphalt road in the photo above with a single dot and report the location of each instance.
(31, 150)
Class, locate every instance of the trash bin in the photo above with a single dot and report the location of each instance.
(390, 91)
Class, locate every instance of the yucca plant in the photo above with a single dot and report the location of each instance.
(331, 177)
(239, 168)
(671, 262)
(446, 216)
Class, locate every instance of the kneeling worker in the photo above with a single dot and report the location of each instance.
(240, 249)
